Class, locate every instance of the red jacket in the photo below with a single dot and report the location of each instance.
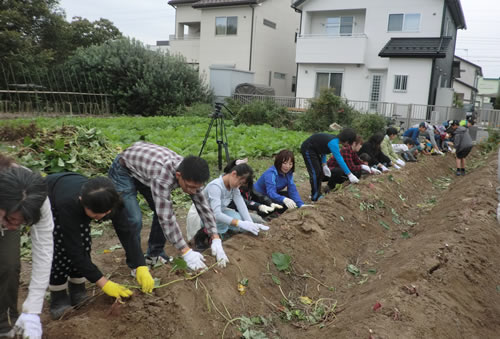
(350, 157)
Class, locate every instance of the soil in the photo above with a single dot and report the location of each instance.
(425, 243)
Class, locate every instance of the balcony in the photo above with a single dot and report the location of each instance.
(331, 49)
(187, 45)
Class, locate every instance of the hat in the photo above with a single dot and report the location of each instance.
(422, 124)
(455, 123)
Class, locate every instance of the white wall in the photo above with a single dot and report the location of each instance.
(419, 77)
(318, 20)
(462, 89)
(186, 13)
(223, 81)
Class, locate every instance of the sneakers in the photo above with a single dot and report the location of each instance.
(458, 173)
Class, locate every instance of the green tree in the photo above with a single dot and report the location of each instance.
(141, 81)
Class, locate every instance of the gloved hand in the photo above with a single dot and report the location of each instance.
(383, 168)
(194, 260)
(366, 168)
(145, 279)
(400, 162)
(305, 205)
(439, 152)
(28, 326)
(252, 227)
(352, 178)
(375, 170)
(289, 203)
(116, 290)
(326, 171)
(265, 209)
(219, 253)
(396, 166)
(276, 206)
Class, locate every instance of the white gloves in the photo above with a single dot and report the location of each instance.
(265, 209)
(396, 166)
(276, 206)
(400, 162)
(352, 178)
(383, 168)
(439, 152)
(366, 168)
(252, 227)
(326, 171)
(375, 170)
(289, 203)
(194, 260)
(219, 253)
(28, 325)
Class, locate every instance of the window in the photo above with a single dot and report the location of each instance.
(375, 90)
(339, 25)
(404, 23)
(226, 25)
(329, 80)
(269, 23)
(278, 75)
(400, 83)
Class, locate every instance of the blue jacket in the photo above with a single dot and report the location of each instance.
(413, 134)
(323, 144)
(271, 182)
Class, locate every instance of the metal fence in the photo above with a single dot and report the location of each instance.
(405, 115)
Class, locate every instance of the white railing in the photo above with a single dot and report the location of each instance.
(405, 115)
(185, 37)
(333, 36)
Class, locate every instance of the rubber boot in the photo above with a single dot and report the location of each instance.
(77, 293)
(59, 303)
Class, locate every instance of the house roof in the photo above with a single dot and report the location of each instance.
(221, 3)
(471, 63)
(466, 85)
(180, 2)
(416, 48)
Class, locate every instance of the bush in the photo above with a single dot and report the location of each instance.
(141, 81)
(262, 112)
(490, 144)
(368, 124)
(325, 110)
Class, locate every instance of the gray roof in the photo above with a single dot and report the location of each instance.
(180, 2)
(416, 48)
(221, 3)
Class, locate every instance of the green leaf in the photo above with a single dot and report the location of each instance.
(405, 235)
(96, 233)
(353, 270)
(396, 220)
(276, 280)
(282, 261)
(244, 282)
(179, 264)
(381, 222)
(379, 252)
(372, 271)
(342, 218)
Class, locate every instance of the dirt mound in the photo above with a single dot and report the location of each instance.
(410, 254)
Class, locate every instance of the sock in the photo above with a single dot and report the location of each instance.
(463, 170)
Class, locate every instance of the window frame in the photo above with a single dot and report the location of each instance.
(403, 29)
(226, 25)
(400, 83)
(279, 76)
(317, 90)
(339, 26)
(269, 23)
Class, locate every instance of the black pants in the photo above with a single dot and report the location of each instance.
(338, 176)
(10, 268)
(313, 165)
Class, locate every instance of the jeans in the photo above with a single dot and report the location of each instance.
(128, 187)
(10, 268)
(223, 227)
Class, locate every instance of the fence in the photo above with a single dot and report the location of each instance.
(405, 115)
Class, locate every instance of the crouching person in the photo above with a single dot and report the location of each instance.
(76, 200)
(23, 200)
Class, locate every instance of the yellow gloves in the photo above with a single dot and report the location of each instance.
(145, 279)
(116, 290)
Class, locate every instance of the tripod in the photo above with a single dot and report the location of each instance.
(220, 133)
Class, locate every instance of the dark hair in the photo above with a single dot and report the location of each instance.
(455, 123)
(391, 131)
(376, 140)
(229, 166)
(347, 135)
(283, 156)
(242, 170)
(194, 169)
(99, 195)
(22, 191)
(422, 124)
(5, 162)
(365, 157)
(409, 141)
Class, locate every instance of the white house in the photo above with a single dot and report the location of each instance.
(234, 41)
(488, 91)
(373, 50)
(466, 80)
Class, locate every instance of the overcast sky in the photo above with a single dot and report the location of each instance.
(152, 20)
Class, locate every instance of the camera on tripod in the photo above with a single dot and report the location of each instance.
(220, 132)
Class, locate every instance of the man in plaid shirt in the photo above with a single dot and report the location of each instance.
(155, 171)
